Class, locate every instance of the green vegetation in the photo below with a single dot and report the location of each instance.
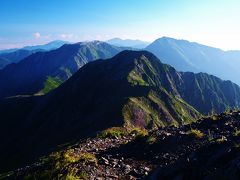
(70, 157)
(196, 133)
(118, 132)
(143, 68)
(88, 158)
(61, 161)
(139, 132)
(139, 112)
(235, 109)
(80, 176)
(158, 109)
(227, 110)
(67, 71)
(237, 132)
(237, 145)
(148, 64)
(210, 136)
(51, 83)
(221, 140)
(214, 117)
(136, 79)
(6, 175)
(151, 140)
(114, 132)
(143, 136)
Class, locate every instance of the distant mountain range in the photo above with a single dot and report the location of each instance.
(49, 46)
(132, 89)
(43, 71)
(194, 57)
(15, 55)
(128, 43)
(181, 54)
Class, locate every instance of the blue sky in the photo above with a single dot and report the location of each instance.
(29, 22)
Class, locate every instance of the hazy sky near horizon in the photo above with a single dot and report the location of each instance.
(29, 22)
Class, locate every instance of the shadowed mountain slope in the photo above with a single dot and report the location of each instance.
(43, 71)
(15, 57)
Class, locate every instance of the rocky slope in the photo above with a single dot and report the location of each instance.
(207, 149)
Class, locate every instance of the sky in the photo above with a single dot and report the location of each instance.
(28, 22)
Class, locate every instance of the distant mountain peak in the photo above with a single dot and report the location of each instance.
(194, 57)
(128, 43)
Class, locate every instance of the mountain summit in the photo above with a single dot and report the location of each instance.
(190, 56)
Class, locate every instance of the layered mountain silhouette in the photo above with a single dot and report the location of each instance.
(132, 89)
(47, 47)
(128, 43)
(15, 55)
(43, 71)
(187, 56)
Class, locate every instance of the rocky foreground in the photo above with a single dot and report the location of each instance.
(207, 149)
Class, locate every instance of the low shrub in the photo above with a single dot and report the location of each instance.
(139, 132)
(71, 157)
(196, 133)
(80, 176)
(88, 158)
(221, 140)
(236, 132)
(114, 132)
(151, 139)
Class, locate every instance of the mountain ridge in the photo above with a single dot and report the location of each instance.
(16, 55)
(33, 73)
(195, 57)
(48, 46)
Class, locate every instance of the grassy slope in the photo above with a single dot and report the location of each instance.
(51, 83)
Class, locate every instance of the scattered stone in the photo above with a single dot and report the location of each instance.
(113, 176)
(105, 161)
(173, 150)
(127, 168)
(146, 169)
